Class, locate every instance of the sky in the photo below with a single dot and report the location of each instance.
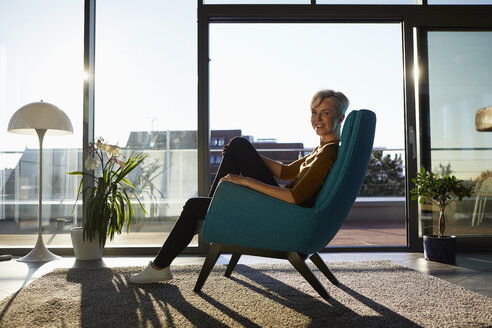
(264, 75)
(41, 58)
(146, 71)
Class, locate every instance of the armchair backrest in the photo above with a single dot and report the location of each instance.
(338, 193)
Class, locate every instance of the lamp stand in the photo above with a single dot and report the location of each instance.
(40, 253)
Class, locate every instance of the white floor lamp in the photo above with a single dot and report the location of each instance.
(42, 119)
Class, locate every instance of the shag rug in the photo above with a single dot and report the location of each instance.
(371, 294)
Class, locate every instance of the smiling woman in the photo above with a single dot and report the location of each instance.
(327, 114)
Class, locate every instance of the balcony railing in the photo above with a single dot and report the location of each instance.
(177, 181)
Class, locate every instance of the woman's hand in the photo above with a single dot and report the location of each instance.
(233, 178)
(276, 192)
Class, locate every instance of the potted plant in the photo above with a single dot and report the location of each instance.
(108, 205)
(441, 191)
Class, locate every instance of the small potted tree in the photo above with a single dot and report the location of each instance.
(441, 191)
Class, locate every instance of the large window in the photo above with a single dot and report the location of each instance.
(145, 101)
(258, 67)
(460, 83)
(262, 78)
(41, 58)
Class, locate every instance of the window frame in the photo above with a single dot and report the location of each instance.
(414, 19)
(475, 243)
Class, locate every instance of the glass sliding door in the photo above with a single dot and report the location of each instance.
(262, 78)
(41, 58)
(459, 84)
(146, 101)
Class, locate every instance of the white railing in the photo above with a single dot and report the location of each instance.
(177, 181)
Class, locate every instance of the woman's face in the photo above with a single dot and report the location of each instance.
(326, 121)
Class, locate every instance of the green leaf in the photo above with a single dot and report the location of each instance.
(75, 173)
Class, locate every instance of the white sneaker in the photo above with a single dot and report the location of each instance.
(151, 275)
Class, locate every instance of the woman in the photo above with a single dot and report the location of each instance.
(242, 165)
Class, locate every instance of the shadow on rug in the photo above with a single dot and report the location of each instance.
(371, 294)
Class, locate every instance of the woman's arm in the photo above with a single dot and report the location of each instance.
(273, 191)
(274, 166)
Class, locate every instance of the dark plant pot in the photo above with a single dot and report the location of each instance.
(440, 249)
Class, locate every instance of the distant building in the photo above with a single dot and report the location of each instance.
(169, 140)
(19, 194)
(282, 152)
(162, 140)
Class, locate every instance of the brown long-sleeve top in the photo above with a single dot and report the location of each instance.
(309, 173)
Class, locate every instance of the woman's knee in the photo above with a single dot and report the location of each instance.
(190, 205)
(238, 143)
(195, 209)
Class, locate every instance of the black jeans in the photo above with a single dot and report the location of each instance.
(240, 158)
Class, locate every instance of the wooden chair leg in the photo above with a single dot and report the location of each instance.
(298, 263)
(318, 261)
(208, 265)
(232, 264)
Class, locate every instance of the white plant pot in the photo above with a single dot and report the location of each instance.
(85, 250)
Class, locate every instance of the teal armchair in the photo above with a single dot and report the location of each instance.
(243, 221)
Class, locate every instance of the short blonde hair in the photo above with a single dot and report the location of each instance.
(340, 100)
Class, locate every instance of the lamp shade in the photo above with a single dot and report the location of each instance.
(40, 115)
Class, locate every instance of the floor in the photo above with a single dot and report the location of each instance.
(352, 234)
(472, 270)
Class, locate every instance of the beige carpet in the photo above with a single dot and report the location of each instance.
(371, 294)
